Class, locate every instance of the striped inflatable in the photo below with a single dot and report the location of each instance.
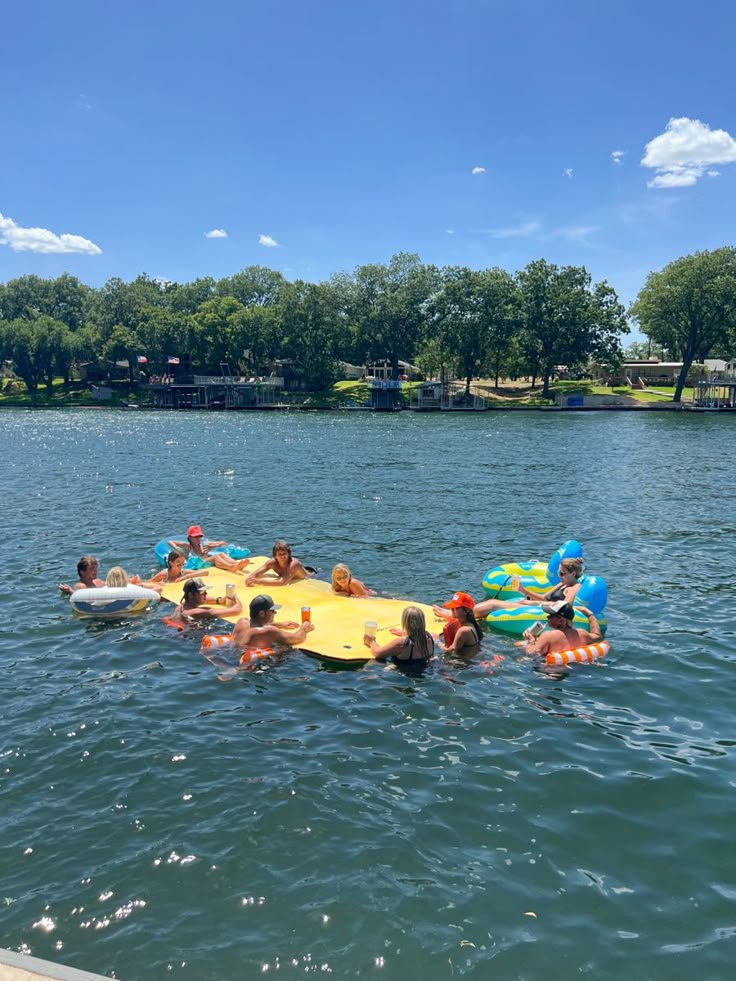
(257, 654)
(581, 655)
(212, 641)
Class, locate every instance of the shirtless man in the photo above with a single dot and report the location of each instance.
(563, 636)
(260, 632)
(286, 568)
(87, 569)
(196, 545)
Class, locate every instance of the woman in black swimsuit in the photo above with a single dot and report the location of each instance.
(570, 572)
(413, 646)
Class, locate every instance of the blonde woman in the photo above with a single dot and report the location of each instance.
(344, 585)
(413, 646)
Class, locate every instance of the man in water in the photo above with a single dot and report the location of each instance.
(562, 636)
(260, 632)
(87, 569)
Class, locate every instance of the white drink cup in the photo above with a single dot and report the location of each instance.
(370, 627)
(515, 583)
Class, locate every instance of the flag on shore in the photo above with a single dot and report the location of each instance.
(172, 360)
(142, 359)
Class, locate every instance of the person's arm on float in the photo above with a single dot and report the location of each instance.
(381, 653)
(594, 628)
(254, 578)
(295, 638)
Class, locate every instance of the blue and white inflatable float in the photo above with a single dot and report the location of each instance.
(112, 601)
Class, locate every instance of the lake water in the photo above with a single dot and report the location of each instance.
(486, 821)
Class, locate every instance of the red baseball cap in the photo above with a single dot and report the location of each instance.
(194, 531)
(461, 599)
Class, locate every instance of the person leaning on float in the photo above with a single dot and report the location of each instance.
(413, 645)
(196, 605)
(283, 564)
(260, 631)
(175, 571)
(462, 635)
(196, 545)
(344, 584)
(561, 635)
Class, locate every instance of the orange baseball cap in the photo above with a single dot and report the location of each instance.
(460, 599)
(194, 531)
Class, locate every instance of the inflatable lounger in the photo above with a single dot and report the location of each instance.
(112, 601)
(338, 620)
(161, 550)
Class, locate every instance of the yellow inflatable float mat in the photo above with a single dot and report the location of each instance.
(338, 620)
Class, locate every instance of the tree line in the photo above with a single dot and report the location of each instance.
(454, 320)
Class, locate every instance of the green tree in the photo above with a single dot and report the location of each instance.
(122, 345)
(20, 345)
(387, 306)
(215, 337)
(689, 307)
(309, 320)
(253, 286)
(565, 321)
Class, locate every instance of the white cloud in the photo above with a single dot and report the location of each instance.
(523, 230)
(567, 172)
(216, 233)
(269, 242)
(478, 170)
(617, 156)
(685, 151)
(714, 173)
(450, 231)
(42, 240)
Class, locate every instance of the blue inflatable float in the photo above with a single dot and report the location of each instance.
(163, 548)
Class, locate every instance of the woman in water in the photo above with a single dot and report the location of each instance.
(462, 634)
(196, 545)
(570, 572)
(117, 577)
(413, 647)
(195, 605)
(283, 564)
(344, 585)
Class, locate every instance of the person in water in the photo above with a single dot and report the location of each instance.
(87, 569)
(196, 605)
(286, 568)
(566, 590)
(117, 577)
(175, 571)
(562, 636)
(260, 631)
(462, 635)
(196, 545)
(413, 646)
(344, 584)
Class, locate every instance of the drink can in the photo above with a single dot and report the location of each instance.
(306, 614)
(370, 627)
(230, 591)
(537, 628)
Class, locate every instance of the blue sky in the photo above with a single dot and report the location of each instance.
(345, 131)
